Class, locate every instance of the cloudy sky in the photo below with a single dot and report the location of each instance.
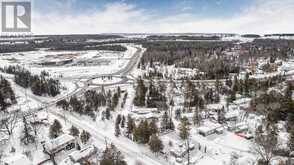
(162, 16)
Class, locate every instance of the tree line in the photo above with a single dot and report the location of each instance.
(7, 96)
(90, 103)
(39, 84)
(207, 57)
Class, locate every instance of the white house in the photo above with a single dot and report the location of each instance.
(84, 153)
(209, 128)
(62, 142)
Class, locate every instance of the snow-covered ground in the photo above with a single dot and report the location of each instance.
(88, 70)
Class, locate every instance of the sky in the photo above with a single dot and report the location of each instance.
(162, 16)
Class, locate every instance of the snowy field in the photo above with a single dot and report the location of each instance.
(70, 64)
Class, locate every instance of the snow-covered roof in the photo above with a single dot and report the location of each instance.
(215, 106)
(17, 159)
(83, 153)
(59, 141)
(209, 126)
(231, 114)
(140, 110)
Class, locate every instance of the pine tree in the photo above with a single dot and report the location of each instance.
(221, 115)
(55, 129)
(155, 144)
(246, 84)
(63, 104)
(85, 136)
(117, 124)
(178, 114)
(232, 96)
(196, 117)
(164, 122)
(123, 121)
(118, 119)
(74, 131)
(291, 140)
(117, 130)
(153, 127)
(184, 128)
(139, 99)
(288, 103)
(290, 121)
(111, 156)
(107, 113)
(28, 136)
(146, 133)
(171, 124)
(130, 125)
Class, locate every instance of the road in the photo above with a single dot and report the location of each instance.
(97, 135)
(79, 91)
(100, 135)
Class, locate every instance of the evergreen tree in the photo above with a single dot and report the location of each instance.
(7, 96)
(153, 127)
(178, 114)
(139, 99)
(130, 125)
(290, 121)
(111, 156)
(171, 124)
(221, 115)
(76, 104)
(107, 113)
(184, 128)
(114, 101)
(63, 104)
(246, 84)
(196, 117)
(142, 133)
(85, 136)
(74, 131)
(291, 140)
(55, 129)
(117, 124)
(28, 136)
(117, 130)
(146, 133)
(118, 119)
(155, 144)
(164, 122)
(123, 121)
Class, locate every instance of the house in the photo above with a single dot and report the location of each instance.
(83, 154)
(209, 128)
(181, 149)
(232, 116)
(18, 159)
(143, 111)
(178, 152)
(62, 142)
(239, 127)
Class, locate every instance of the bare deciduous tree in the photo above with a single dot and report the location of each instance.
(265, 143)
(9, 123)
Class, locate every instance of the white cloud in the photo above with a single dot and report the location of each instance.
(264, 16)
